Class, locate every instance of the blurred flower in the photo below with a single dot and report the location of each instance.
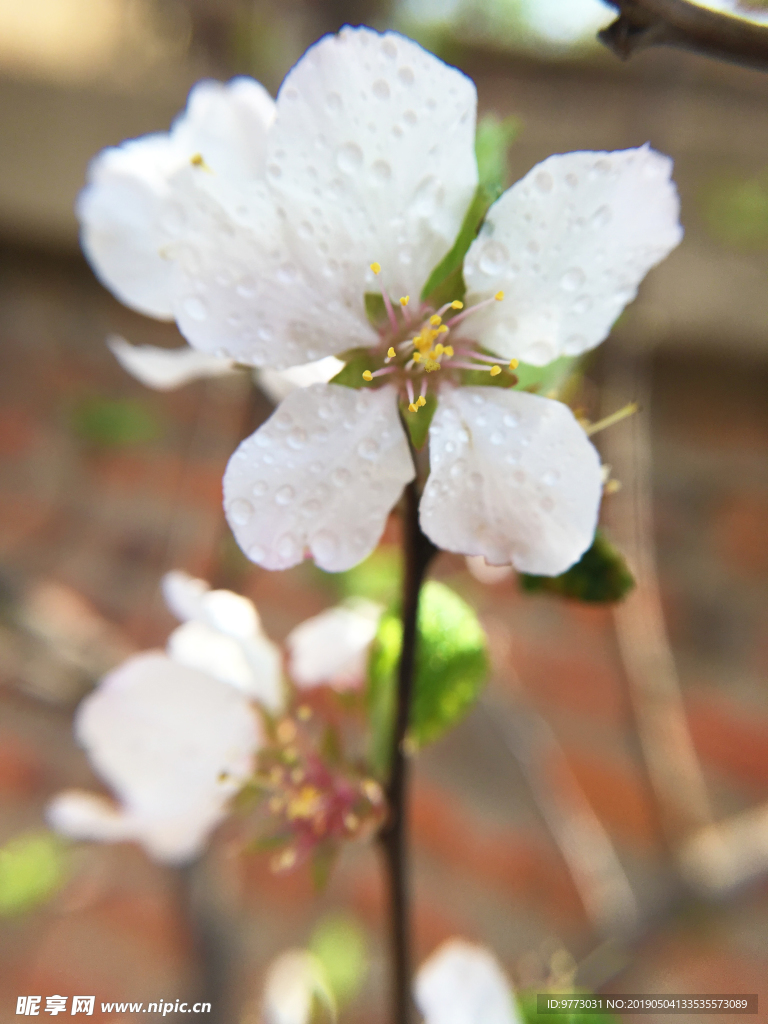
(462, 983)
(333, 647)
(260, 228)
(295, 984)
(173, 744)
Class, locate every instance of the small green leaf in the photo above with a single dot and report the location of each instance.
(481, 378)
(446, 281)
(418, 422)
(493, 139)
(601, 576)
(357, 360)
(112, 422)
(339, 944)
(546, 379)
(527, 1003)
(32, 870)
(451, 667)
(375, 309)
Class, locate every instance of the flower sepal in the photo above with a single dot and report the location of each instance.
(601, 576)
(356, 362)
(417, 423)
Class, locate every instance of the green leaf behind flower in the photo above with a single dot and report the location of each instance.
(451, 668)
(494, 137)
(526, 1002)
(340, 945)
(112, 422)
(32, 869)
(601, 576)
(417, 423)
(356, 362)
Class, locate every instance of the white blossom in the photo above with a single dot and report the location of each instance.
(462, 983)
(332, 647)
(260, 229)
(294, 984)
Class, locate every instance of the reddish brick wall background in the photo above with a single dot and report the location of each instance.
(106, 523)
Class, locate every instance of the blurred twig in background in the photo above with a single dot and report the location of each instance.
(688, 26)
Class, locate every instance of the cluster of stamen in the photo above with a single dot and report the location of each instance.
(416, 345)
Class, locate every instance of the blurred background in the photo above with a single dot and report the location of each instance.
(550, 824)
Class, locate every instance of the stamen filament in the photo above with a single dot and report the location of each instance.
(390, 311)
(384, 371)
(409, 389)
(615, 417)
(473, 309)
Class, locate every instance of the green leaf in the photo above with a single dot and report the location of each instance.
(493, 139)
(601, 576)
(546, 379)
(112, 422)
(32, 870)
(323, 859)
(375, 309)
(527, 1001)
(446, 282)
(418, 423)
(357, 360)
(339, 944)
(451, 667)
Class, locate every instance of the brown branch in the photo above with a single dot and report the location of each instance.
(687, 26)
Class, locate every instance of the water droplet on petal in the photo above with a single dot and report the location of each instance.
(575, 344)
(240, 511)
(601, 218)
(493, 258)
(510, 420)
(571, 180)
(246, 289)
(195, 308)
(349, 158)
(341, 476)
(406, 75)
(458, 469)
(410, 117)
(583, 304)
(324, 545)
(382, 170)
(257, 553)
(333, 102)
(297, 438)
(543, 181)
(381, 89)
(572, 279)
(287, 546)
(260, 488)
(389, 48)
(497, 437)
(285, 495)
(550, 478)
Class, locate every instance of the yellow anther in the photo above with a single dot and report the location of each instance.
(283, 861)
(304, 713)
(421, 400)
(448, 351)
(612, 486)
(198, 161)
(499, 296)
(391, 352)
(442, 329)
(351, 821)
(305, 804)
(372, 791)
(367, 375)
(431, 365)
(514, 363)
(404, 300)
(495, 371)
(439, 349)
(286, 731)
(413, 407)
(376, 268)
(417, 357)
(457, 305)
(435, 320)
(223, 776)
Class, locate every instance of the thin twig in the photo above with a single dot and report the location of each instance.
(584, 844)
(673, 766)
(418, 551)
(687, 26)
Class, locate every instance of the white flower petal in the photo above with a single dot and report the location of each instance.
(320, 476)
(253, 665)
(294, 980)
(240, 289)
(569, 246)
(83, 815)
(383, 132)
(174, 745)
(462, 983)
(277, 383)
(332, 647)
(189, 598)
(513, 478)
(129, 214)
(166, 368)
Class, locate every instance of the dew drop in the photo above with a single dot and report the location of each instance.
(381, 89)
(497, 437)
(297, 438)
(583, 304)
(349, 158)
(275, 171)
(410, 117)
(493, 258)
(311, 507)
(341, 476)
(571, 180)
(324, 544)
(458, 469)
(195, 308)
(234, 319)
(240, 511)
(305, 230)
(265, 334)
(257, 553)
(285, 495)
(406, 75)
(575, 344)
(540, 352)
(510, 420)
(388, 48)
(283, 420)
(601, 218)
(246, 288)
(476, 480)
(368, 448)
(519, 476)
(382, 170)
(543, 181)
(260, 488)
(287, 546)
(572, 279)
(333, 102)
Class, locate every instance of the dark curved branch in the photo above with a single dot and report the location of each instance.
(688, 26)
